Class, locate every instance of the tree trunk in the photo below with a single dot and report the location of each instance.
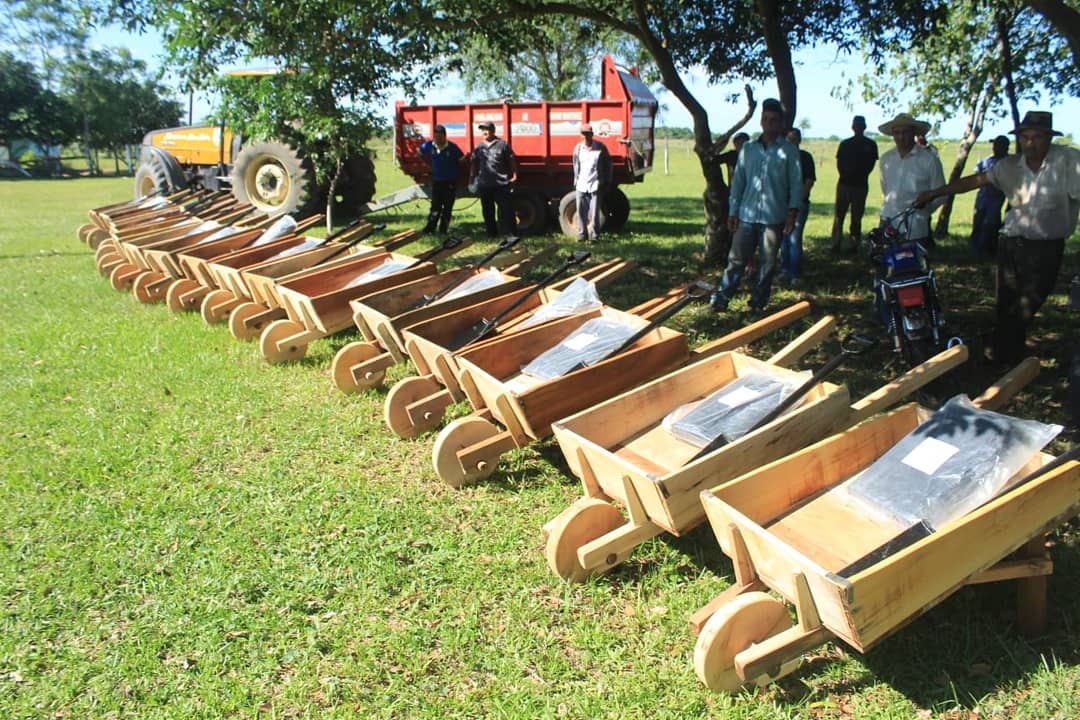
(1064, 19)
(776, 43)
(1004, 24)
(974, 128)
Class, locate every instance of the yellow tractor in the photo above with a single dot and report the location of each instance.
(272, 175)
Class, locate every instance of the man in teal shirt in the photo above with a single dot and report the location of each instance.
(766, 191)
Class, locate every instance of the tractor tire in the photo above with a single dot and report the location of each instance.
(568, 219)
(272, 177)
(617, 210)
(530, 212)
(355, 188)
(150, 178)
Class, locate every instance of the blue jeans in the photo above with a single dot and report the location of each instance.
(748, 237)
(791, 247)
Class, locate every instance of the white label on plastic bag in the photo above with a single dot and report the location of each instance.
(738, 396)
(580, 342)
(929, 455)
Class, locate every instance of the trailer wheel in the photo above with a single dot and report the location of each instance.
(355, 188)
(272, 177)
(530, 211)
(568, 220)
(617, 210)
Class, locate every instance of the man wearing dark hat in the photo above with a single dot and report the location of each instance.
(766, 191)
(592, 177)
(494, 170)
(1042, 185)
(907, 170)
(855, 159)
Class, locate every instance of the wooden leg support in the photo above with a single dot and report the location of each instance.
(364, 372)
(1031, 593)
(422, 410)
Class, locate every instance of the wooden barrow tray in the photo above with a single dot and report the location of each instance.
(778, 524)
(624, 456)
(416, 404)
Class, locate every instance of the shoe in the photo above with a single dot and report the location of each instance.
(756, 309)
(718, 301)
(782, 278)
(795, 282)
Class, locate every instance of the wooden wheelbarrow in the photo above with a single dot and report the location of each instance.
(468, 449)
(317, 303)
(176, 266)
(150, 251)
(779, 524)
(381, 316)
(417, 404)
(96, 231)
(256, 286)
(623, 454)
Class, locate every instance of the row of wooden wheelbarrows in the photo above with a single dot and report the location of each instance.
(771, 495)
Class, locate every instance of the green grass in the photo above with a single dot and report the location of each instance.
(190, 532)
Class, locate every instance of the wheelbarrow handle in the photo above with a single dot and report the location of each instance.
(504, 245)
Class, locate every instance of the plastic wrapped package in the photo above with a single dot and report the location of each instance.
(732, 410)
(480, 281)
(579, 296)
(227, 231)
(587, 345)
(952, 463)
(388, 267)
(306, 245)
(204, 226)
(281, 227)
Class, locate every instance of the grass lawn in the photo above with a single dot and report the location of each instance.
(188, 531)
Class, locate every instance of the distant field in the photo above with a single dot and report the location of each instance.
(189, 532)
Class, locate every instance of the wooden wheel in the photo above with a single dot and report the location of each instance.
(123, 275)
(105, 248)
(95, 237)
(238, 325)
(353, 354)
(141, 288)
(107, 262)
(459, 434)
(403, 394)
(213, 308)
(274, 333)
(174, 296)
(84, 230)
(579, 524)
(746, 620)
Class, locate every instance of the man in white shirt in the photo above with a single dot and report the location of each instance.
(907, 170)
(1042, 186)
(592, 178)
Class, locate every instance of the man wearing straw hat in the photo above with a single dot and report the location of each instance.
(907, 170)
(1042, 185)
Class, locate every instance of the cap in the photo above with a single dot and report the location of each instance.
(771, 105)
(586, 128)
(486, 125)
(858, 120)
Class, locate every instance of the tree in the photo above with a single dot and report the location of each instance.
(20, 90)
(48, 31)
(977, 52)
(1065, 19)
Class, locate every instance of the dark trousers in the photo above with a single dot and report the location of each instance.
(853, 198)
(443, 193)
(1026, 273)
(494, 199)
(985, 226)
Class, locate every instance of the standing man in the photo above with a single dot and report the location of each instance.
(766, 191)
(855, 158)
(592, 178)
(445, 158)
(494, 171)
(988, 201)
(791, 248)
(907, 170)
(1042, 185)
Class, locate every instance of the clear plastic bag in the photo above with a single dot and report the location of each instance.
(587, 345)
(227, 231)
(579, 296)
(480, 281)
(306, 245)
(732, 410)
(204, 226)
(952, 463)
(389, 267)
(284, 225)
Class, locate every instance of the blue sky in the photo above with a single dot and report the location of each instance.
(818, 71)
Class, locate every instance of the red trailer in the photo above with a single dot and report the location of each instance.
(543, 136)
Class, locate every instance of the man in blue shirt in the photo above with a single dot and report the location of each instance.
(766, 191)
(445, 159)
(988, 201)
